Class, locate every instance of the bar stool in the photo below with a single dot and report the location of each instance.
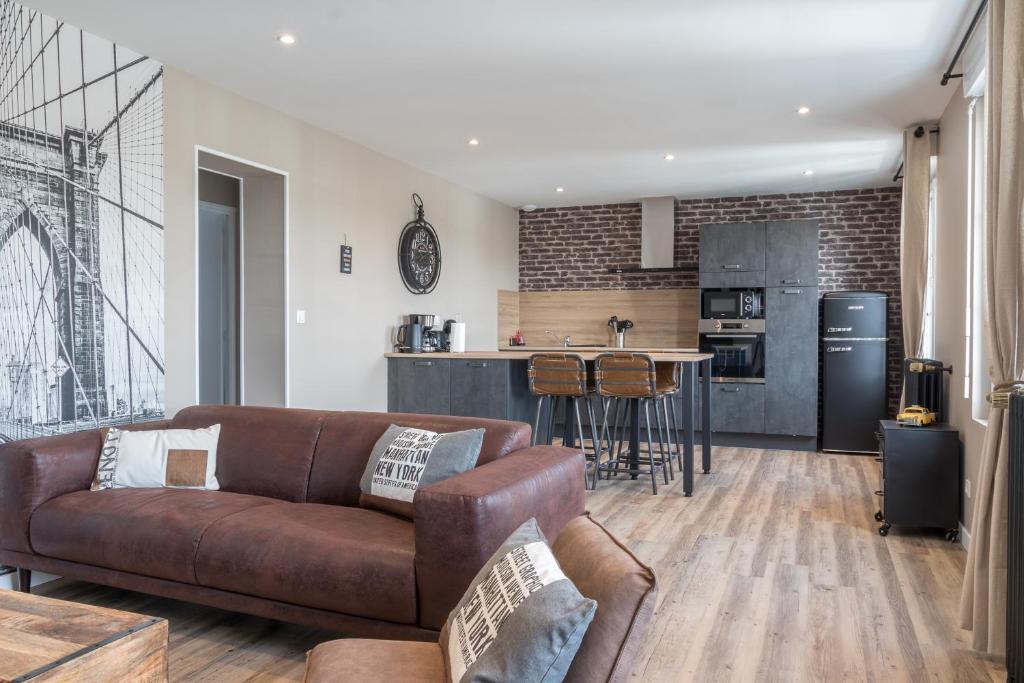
(668, 387)
(555, 376)
(630, 377)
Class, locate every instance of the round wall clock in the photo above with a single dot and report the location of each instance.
(419, 253)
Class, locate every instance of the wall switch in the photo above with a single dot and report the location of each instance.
(967, 487)
(300, 317)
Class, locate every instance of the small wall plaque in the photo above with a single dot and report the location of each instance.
(346, 259)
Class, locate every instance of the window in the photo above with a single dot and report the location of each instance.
(976, 381)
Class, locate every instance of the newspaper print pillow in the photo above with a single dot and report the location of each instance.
(405, 459)
(171, 458)
(521, 619)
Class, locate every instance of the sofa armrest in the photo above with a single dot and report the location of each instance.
(462, 520)
(37, 470)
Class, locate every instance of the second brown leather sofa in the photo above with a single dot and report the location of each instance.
(284, 537)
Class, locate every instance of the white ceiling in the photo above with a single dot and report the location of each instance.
(585, 94)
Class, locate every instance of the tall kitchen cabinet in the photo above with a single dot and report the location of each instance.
(791, 329)
(780, 257)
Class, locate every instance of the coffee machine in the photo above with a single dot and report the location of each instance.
(417, 334)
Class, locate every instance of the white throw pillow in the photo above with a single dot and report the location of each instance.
(172, 458)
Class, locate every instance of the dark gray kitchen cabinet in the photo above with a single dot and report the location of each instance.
(791, 361)
(738, 407)
(419, 384)
(479, 388)
(791, 256)
(469, 387)
(732, 247)
(726, 280)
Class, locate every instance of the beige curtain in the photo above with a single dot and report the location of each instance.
(983, 601)
(914, 235)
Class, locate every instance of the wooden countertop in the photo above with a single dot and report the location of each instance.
(588, 353)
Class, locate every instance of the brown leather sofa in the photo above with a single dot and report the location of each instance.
(284, 537)
(602, 569)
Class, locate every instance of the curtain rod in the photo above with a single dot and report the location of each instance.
(918, 132)
(956, 57)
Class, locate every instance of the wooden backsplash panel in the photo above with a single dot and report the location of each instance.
(665, 318)
(508, 315)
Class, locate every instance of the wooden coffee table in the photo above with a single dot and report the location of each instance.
(42, 639)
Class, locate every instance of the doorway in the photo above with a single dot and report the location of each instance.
(241, 282)
(218, 281)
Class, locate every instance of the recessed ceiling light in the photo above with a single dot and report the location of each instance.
(670, 157)
(559, 189)
(808, 172)
(474, 142)
(286, 39)
(803, 110)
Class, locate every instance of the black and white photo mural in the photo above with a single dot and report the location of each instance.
(81, 229)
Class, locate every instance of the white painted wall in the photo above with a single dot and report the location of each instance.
(336, 188)
(951, 284)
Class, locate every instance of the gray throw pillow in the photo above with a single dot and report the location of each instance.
(520, 620)
(405, 459)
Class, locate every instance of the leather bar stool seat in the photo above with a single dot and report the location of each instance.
(631, 378)
(564, 376)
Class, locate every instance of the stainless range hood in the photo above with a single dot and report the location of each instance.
(657, 238)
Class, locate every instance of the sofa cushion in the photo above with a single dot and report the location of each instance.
(405, 459)
(349, 560)
(347, 439)
(375, 660)
(521, 619)
(158, 458)
(262, 451)
(154, 532)
(625, 590)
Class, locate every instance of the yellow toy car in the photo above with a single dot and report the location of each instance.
(916, 416)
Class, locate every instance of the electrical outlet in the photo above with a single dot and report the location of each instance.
(300, 317)
(967, 487)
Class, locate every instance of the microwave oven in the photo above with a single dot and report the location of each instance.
(732, 304)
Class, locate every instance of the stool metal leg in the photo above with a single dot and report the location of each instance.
(552, 407)
(650, 445)
(597, 442)
(536, 421)
(661, 438)
(678, 438)
(670, 431)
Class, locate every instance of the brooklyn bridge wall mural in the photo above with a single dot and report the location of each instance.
(81, 229)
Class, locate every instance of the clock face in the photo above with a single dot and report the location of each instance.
(419, 257)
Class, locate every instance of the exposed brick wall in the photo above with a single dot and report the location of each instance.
(573, 247)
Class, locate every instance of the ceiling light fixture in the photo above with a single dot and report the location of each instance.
(286, 39)
(670, 157)
(559, 189)
(474, 142)
(803, 110)
(808, 172)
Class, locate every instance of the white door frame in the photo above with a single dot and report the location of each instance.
(241, 268)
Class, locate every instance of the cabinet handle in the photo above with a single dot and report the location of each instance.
(729, 390)
(790, 282)
(792, 291)
(477, 364)
(423, 363)
(879, 493)
(733, 266)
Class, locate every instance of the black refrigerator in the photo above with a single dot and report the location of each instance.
(854, 387)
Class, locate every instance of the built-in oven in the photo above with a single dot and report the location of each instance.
(731, 304)
(737, 347)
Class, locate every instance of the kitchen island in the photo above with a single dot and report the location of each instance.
(494, 384)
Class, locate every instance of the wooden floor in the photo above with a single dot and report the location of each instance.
(772, 571)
